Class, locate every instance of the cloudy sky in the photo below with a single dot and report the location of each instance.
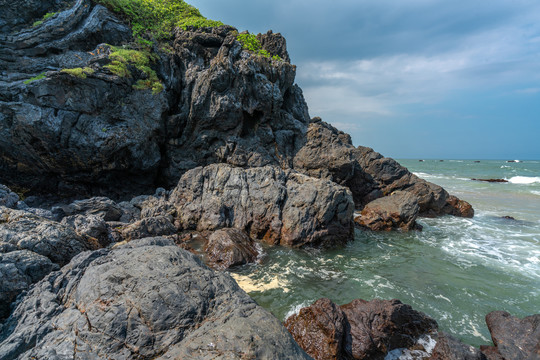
(412, 78)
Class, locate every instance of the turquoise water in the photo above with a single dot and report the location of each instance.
(456, 270)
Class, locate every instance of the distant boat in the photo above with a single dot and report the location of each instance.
(514, 161)
(420, 160)
(477, 161)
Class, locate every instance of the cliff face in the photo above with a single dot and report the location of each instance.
(85, 134)
(82, 115)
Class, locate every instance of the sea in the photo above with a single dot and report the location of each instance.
(456, 270)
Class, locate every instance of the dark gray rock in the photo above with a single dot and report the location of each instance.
(7, 197)
(18, 270)
(26, 231)
(227, 248)
(277, 206)
(102, 207)
(148, 299)
(515, 338)
(148, 227)
(93, 226)
(450, 348)
(397, 211)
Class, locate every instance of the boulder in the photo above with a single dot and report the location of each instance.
(148, 299)
(148, 227)
(329, 153)
(358, 330)
(230, 247)
(457, 207)
(395, 212)
(514, 338)
(26, 231)
(18, 270)
(93, 226)
(379, 326)
(322, 330)
(450, 348)
(7, 197)
(275, 205)
(102, 207)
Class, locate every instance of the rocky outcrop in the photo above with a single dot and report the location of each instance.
(21, 230)
(87, 134)
(148, 227)
(514, 338)
(329, 154)
(358, 330)
(18, 270)
(275, 205)
(227, 248)
(397, 211)
(450, 348)
(7, 197)
(147, 299)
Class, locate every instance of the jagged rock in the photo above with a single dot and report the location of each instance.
(329, 153)
(379, 326)
(148, 227)
(274, 44)
(275, 205)
(7, 197)
(26, 231)
(322, 330)
(18, 270)
(514, 338)
(395, 212)
(103, 207)
(90, 226)
(84, 136)
(230, 247)
(358, 330)
(450, 348)
(147, 299)
(457, 207)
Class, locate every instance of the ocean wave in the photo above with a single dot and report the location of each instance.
(526, 180)
(535, 192)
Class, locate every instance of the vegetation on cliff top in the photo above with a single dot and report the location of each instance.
(251, 43)
(155, 19)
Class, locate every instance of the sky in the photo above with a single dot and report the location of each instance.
(412, 78)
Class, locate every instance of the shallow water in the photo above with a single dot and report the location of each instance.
(456, 270)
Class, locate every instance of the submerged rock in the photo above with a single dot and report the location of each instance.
(147, 299)
(230, 247)
(492, 180)
(275, 205)
(358, 330)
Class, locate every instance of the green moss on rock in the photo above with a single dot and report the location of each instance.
(81, 73)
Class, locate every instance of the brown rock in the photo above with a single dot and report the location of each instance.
(379, 326)
(457, 207)
(358, 330)
(492, 180)
(395, 212)
(515, 338)
(322, 330)
(230, 247)
(450, 348)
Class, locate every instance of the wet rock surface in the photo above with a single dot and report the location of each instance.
(358, 330)
(514, 338)
(394, 212)
(141, 309)
(227, 248)
(277, 206)
(450, 348)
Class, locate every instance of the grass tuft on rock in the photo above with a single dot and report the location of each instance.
(38, 77)
(156, 19)
(123, 59)
(81, 73)
(251, 43)
(45, 17)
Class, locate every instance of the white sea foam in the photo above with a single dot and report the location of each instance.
(535, 192)
(527, 180)
(296, 308)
